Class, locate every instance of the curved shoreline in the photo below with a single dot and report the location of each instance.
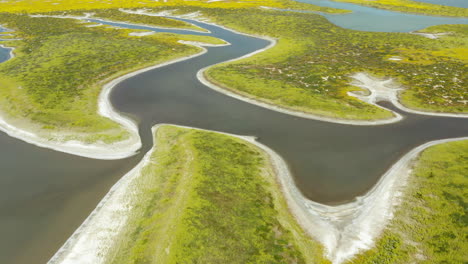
(130, 147)
(273, 42)
(350, 228)
(281, 109)
(11, 54)
(95, 234)
(118, 150)
(200, 75)
(335, 226)
(252, 100)
(88, 16)
(344, 230)
(382, 90)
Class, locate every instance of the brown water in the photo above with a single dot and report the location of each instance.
(45, 195)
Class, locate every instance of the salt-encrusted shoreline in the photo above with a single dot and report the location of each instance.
(350, 228)
(373, 99)
(98, 151)
(117, 150)
(386, 90)
(344, 230)
(96, 235)
(273, 42)
(88, 16)
(430, 35)
(141, 34)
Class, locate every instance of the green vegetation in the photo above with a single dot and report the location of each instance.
(212, 198)
(410, 6)
(308, 70)
(35, 6)
(431, 224)
(194, 38)
(61, 65)
(117, 15)
(205, 197)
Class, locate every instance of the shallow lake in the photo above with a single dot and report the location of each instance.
(373, 19)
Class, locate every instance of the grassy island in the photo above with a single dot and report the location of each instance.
(206, 197)
(308, 70)
(50, 86)
(431, 224)
(211, 198)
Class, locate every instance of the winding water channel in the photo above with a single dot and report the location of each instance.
(45, 195)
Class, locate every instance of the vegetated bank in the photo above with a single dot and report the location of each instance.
(116, 15)
(399, 244)
(287, 252)
(431, 224)
(206, 197)
(34, 6)
(308, 70)
(410, 6)
(52, 86)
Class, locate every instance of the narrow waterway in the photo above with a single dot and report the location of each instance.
(45, 195)
(331, 163)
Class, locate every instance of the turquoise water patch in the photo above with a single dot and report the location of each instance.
(378, 20)
(455, 3)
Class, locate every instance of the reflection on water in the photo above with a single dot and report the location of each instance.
(373, 19)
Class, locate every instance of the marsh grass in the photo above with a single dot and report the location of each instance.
(34, 6)
(117, 15)
(431, 224)
(60, 68)
(210, 198)
(309, 68)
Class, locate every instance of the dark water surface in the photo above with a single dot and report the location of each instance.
(45, 195)
(331, 162)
